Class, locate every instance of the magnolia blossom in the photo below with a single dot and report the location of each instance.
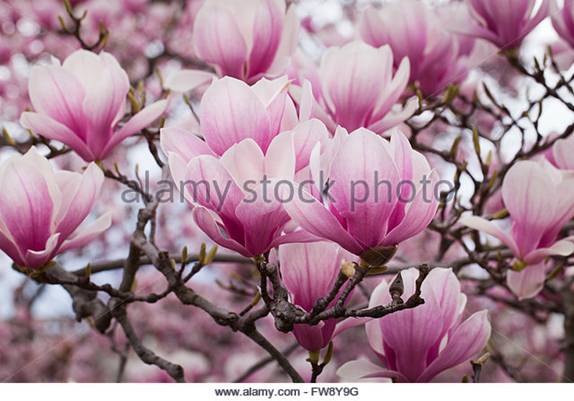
(250, 135)
(246, 39)
(233, 201)
(231, 111)
(505, 22)
(81, 102)
(375, 197)
(358, 89)
(41, 209)
(417, 344)
(563, 20)
(413, 31)
(537, 219)
(309, 272)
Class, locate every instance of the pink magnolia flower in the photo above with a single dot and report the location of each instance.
(41, 209)
(415, 345)
(358, 89)
(309, 272)
(234, 203)
(231, 111)
(377, 195)
(505, 23)
(81, 102)
(246, 40)
(537, 219)
(415, 32)
(563, 20)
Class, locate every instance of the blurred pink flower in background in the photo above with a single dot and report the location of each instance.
(536, 221)
(40, 209)
(505, 22)
(359, 89)
(81, 102)
(415, 32)
(407, 354)
(563, 20)
(246, 40)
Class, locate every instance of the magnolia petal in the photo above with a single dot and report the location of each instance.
(81, 193)
(280, 158)
(218, 40)
(349, 323)
(564, 247)
(105, 98)
(562, 151)
(138, 122)
(288, 44)
(356, 188)
(26, 202)
(379, 296)
(352, 78)
(305, 136)
(463, 343)
(353, 371)
(528, 282)
(262, 222)
(405, 349)
(419, 213)
(303, 280)
(313, 217)
(58, 95)
(394, 118)
(87, 234)
(208, 183)
(542, 13)
(488, 227)
(245, 162)
(230, 112)
(371, 27)
(267, 90)
(207, 224)
(177, 168)
(293, 237)
(187, 80)
(394, 91)
(532, 210)
(266, 35)
(52, 129)
(35, 259)
(8, 245)
(182, 142)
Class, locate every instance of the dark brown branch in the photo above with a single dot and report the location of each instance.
(145, 354)
(85, 302)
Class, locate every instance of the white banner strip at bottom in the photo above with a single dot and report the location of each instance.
(283, 391)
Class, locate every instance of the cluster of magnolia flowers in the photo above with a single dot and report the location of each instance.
(266, 114)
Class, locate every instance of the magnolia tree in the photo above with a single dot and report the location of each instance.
(270, 190)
